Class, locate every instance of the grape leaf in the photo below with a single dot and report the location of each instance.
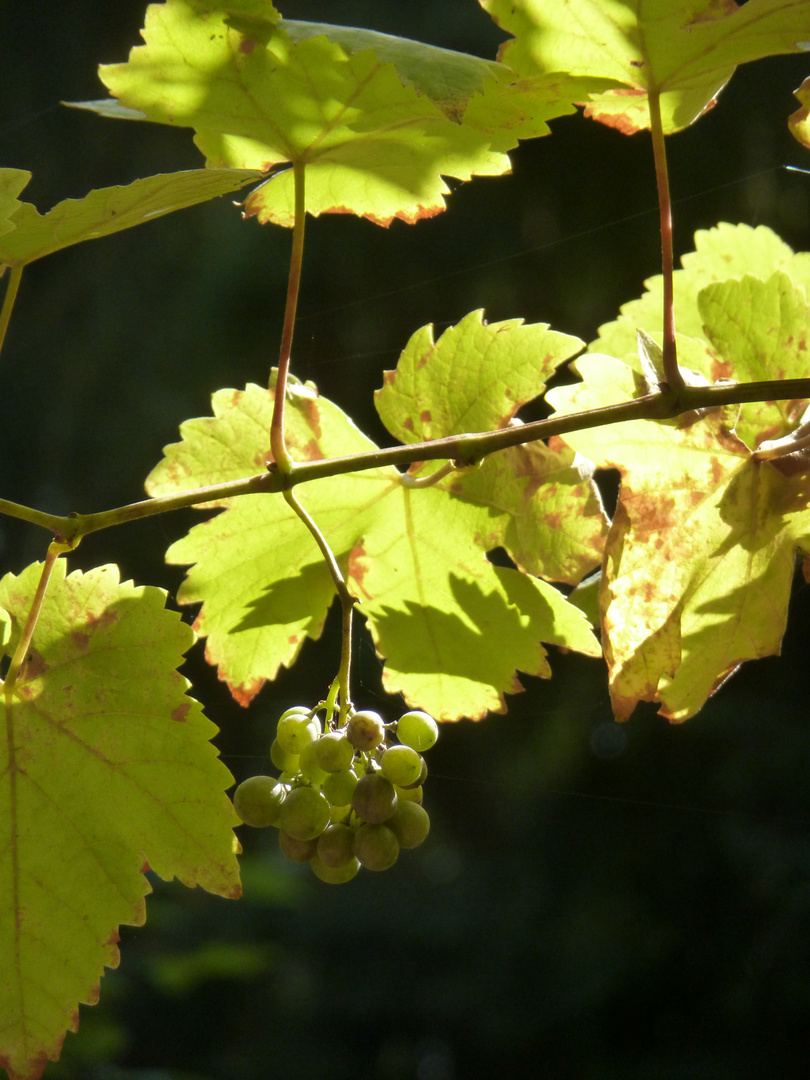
(799, 122)
(763, 327)
(451, 627)
(106, 764)
(377, 121)
(700, 553)
(12, 181)
(687, 50)
(726, 251)
(542, 506)
(257, 570)
(109, 210)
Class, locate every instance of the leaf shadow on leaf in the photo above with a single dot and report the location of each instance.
(756, 506)
(300, 599)
(429, 640)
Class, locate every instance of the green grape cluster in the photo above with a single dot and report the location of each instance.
(345, 797)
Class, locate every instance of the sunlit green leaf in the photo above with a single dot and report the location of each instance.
(109, 210)
(106, 765)
(451, 627)
(12, 182)
(377, 121)
(726, 251)
(686, 50)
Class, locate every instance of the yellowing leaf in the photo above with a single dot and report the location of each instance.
(260, 95)
(761, 329)
(726, 251)
(700, 553)
(109, 210)
(799, 122)
(685, 50)
(106, 765)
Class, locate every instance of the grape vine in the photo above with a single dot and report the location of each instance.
(697, 394)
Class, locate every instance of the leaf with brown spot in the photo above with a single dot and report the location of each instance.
(95, 774)
(700, 553)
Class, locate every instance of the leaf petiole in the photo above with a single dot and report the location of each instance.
(278, 445)
(8, 301)
(672, 375)
(347, 602)
(55, 550)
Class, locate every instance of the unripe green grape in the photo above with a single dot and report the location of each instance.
(340, 815)
(365, 730)
(417, 730)
(304, 813)
(410, 794)
(339, 787)
(258, 801)
(376, 847)
(336, 845)
(401, 765)
(283, 760)
(334, 751)
(308, 764)
(296, 850)
(296, 731)
(422, 777)
(295, 710)
(334, 875)
(410, 824)
(374, 798)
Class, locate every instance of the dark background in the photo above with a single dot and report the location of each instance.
(594, 901)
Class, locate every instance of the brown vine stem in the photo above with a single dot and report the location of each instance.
(461, 449)
(672, 375)
(347, 602)
(8, 301)
(278, 445)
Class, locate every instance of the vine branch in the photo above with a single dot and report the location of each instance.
(662, 404)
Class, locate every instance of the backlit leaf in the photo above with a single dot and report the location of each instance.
(451, 627)
(109, 210)
(799, 122)
(12, 181)
(726, 251)
(106, 766)
(378, 121)
(686, 50)
(700, 554)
